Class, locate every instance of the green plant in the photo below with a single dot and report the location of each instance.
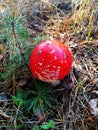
(50, 124)
(18, 99)
(3, 76)
(38, 99)
(14, 37)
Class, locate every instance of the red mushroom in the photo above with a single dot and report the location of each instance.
(50, 61)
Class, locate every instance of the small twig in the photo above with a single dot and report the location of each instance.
(15, 118)
(5, 115)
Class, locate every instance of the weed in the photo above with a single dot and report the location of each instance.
(14, 36)
(38, 99)
(50, 124)
(3, 76)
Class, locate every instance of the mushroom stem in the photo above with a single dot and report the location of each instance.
(55, 83)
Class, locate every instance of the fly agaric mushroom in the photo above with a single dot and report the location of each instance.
(50, 61)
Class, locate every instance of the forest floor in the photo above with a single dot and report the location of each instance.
(29, 104)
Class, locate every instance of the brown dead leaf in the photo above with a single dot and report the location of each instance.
(22, 82)
(64, 24)
(67, 82)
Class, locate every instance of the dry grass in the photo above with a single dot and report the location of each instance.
(79, 30)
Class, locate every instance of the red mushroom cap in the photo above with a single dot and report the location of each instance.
(50, 61)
